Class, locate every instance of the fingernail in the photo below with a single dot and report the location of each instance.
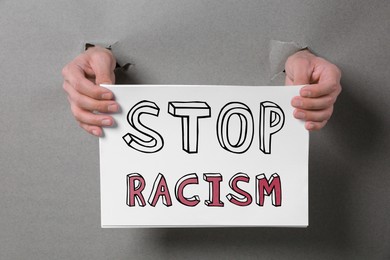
(95, 132)
(107, 95)
(106, 122)
(309, 126)
(297, 102)
(306, 93)
(112, 108)
(300, 115)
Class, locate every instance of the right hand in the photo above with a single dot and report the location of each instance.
(82, 79)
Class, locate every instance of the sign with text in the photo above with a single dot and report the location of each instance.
(204, 156)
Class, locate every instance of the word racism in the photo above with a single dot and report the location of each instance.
(146, 140)
(136, 184)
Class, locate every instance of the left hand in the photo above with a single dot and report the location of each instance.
(315, 103)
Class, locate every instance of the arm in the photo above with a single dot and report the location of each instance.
(315, 103)
(82, 78)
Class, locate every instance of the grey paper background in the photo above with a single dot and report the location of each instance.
(49, 168)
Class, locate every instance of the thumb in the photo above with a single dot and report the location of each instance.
(108, 80)
(103, 66)
(301, 74)
(104, 74)
(299, 68)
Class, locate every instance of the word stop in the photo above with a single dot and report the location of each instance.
(146, 140)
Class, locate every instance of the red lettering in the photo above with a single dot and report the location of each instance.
(272, 186)
(135, 186)
(160, 189)
(239, 201)
(179, 189)
(214, 180)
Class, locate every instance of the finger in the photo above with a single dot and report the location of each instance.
(320, 103)
(94, 130)
(75, 76)
(321, 89)
(313, 115)
(90, 118)
(87, 103)
(313, 126)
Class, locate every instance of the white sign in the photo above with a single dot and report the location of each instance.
(204, 156)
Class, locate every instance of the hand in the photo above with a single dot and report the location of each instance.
(82, 77)
(315, 103)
